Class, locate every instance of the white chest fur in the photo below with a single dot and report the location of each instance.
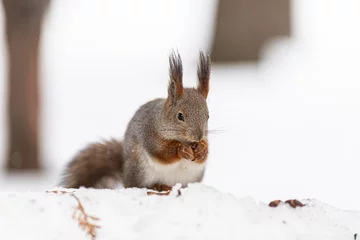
(183, 171)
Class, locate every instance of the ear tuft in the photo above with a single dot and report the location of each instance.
(175, 89)
(203, 72)
(175, 69)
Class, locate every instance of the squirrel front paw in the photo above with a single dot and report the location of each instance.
(186, 152)
(200, 151)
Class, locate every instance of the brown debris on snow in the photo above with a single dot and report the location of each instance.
(59, 192)
(292, 202)
(275, 203)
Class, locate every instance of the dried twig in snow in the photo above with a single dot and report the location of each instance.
(83, 218)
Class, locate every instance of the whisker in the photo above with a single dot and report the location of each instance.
(216, 131)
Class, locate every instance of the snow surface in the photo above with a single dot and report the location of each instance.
(200, 212)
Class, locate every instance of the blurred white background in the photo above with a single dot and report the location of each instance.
(289, 124)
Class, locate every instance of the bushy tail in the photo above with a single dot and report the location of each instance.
(99, 165)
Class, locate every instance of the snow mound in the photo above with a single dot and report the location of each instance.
(199, 212)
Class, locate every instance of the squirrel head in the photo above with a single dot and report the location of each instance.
(186, 110)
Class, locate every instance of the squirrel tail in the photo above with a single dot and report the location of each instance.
(99, 165)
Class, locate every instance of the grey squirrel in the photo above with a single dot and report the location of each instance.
(165, 142)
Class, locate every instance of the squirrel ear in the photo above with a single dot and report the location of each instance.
(175, 89)
(203, 72)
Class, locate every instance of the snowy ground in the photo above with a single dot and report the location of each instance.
(290, 125)
(200, 212)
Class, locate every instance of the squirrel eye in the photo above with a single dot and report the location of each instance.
(180, 117)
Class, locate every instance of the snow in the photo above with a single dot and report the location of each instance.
(200, 212)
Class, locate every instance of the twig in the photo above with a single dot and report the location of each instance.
(83, 218)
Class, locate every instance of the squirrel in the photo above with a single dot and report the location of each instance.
(165, 142)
